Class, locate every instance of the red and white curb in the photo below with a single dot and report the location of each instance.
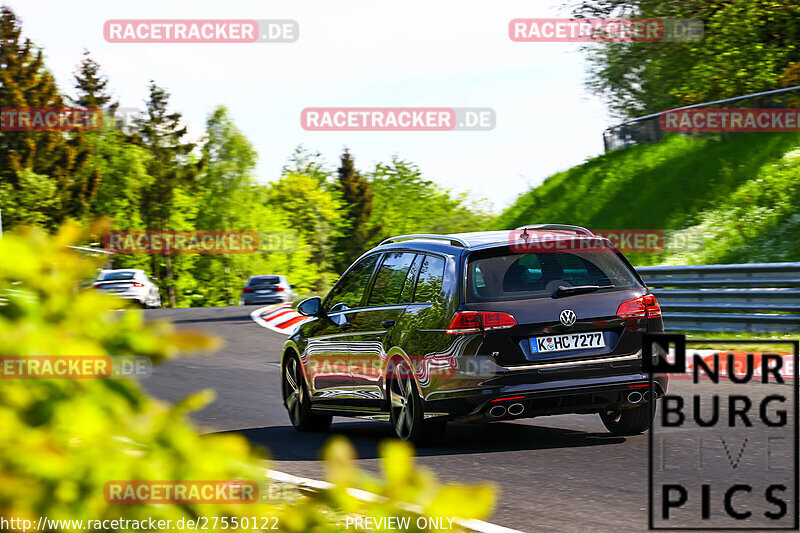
(279, 318)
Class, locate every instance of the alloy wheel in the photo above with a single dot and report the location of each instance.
(401, 393)
(293, 391)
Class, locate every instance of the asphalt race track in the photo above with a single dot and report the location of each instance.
(562, 473)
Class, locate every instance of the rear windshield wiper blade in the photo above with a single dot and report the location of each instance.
(564, 290)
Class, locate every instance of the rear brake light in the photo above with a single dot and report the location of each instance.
(642, 307)
(497, 321)
(464, 322)
(653, 309)
(279, 288)
(474, 322)
(137, 284)
(247, 290)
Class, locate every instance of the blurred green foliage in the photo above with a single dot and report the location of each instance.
(61, 440)
(747, 46)
(717, 199)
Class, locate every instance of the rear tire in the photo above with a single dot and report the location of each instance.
(406, 409)
(297, 399)
(628, 421)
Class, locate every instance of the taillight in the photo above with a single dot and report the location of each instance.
(246, 290)
(497, 321)
(653, 309)
(464, 322)
(642, 307)
(477, 321)
(137, 284)
(279, 288)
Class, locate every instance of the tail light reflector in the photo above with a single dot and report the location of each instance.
(137, 284)
(279, 288)
(642, 307)
(477, 321)
(246, 290)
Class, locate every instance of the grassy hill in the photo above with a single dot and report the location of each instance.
(722, 199)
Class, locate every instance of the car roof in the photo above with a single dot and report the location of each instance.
(476, 240)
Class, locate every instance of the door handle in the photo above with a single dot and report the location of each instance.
(387, 323)
(345, 326)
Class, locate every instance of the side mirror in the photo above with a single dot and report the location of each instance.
(310, 306)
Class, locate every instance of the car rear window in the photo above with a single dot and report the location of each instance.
(497, 275)
(265, 280)
(118, 275)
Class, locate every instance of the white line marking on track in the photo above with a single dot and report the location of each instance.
(471, 525)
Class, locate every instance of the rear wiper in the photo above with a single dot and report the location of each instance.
(564, 290)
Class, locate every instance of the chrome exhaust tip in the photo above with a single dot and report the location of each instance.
(497, 411)
(634, 397)
(516, 409)
(646, 396)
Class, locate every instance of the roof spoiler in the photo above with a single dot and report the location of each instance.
(559, 227)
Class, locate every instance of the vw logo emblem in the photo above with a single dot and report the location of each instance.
(567, 317)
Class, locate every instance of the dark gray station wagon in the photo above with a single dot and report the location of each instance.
(476, 327)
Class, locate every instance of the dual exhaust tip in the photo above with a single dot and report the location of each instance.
(516, 409)
(499, 411)
(636, 397)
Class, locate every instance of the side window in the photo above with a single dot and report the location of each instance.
(348, 291)
(389, 281)
(429, 283)
(407, 294)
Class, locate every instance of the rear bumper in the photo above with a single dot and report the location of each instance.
(139, 297)
(571, 387)
(263, 299)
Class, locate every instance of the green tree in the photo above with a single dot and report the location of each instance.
(232, 199)
(92, 85)
(172, 168)
(404, 202)
(747, 46)
(25, 82)
(357, 199)
(315, 213)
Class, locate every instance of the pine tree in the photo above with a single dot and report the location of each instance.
(161, 133)
(91, 85)
(26, 82)
(357, 199)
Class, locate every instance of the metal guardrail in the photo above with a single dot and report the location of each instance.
(758, 297)
(647, 130)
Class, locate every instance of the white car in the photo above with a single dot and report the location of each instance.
(129, 284)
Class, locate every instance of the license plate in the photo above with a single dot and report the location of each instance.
(571, 341)
(263, 291)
